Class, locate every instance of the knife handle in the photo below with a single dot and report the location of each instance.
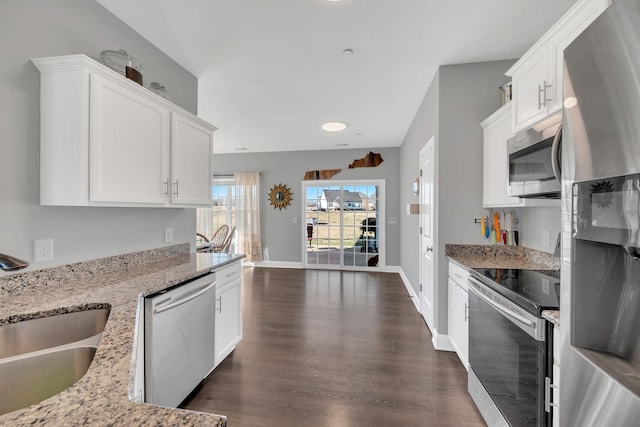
(516, 238)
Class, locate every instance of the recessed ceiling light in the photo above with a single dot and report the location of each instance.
(334, 126)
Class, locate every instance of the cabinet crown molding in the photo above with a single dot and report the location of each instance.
(80, 62)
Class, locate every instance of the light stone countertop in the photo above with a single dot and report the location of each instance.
(101, 397)
(552, 316)
(500, 256)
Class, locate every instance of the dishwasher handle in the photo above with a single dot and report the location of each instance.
(187, 298)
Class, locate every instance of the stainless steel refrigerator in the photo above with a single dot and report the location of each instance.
(600, 295)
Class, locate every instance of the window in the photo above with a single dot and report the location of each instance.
(208, 220)
(236, 203)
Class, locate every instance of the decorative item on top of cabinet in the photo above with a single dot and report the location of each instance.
(496, 130)
(107, 141)
(537, 76)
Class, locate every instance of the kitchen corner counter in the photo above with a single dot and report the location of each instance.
(513, 257)
(102, 396)
(506, 257)
(552, 316)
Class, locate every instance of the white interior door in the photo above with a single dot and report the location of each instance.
(427, 211)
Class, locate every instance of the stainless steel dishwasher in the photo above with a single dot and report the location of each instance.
(179, 340)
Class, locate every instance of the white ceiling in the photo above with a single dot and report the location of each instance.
(272, 71)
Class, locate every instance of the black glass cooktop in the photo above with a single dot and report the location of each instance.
(533, 290)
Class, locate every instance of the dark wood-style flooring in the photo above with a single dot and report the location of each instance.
(331, 348)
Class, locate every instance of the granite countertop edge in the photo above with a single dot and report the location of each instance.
(552, 316)
(494, 256)
(103, 394)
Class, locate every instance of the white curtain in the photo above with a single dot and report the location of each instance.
(247, 204)
(204, 221)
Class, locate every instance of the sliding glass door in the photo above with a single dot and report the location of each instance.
(344, 224)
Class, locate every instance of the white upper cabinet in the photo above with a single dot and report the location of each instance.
(537, 76)
(495, 163)
(191, 150)
(128, 145)
(107, 141)
(497, 129)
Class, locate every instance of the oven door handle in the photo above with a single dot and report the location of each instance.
(504, 310)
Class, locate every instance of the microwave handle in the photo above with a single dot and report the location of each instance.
(555, 148)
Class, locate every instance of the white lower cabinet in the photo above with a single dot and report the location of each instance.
(459, 312)
(228, 323)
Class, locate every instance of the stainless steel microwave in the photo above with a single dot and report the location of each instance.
(534, 160)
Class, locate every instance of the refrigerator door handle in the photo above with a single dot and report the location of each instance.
(555, 151)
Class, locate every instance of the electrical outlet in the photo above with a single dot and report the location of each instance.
(168, 235)
(43, 250)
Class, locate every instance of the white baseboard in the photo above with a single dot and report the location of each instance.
(412, 293)
(440, 341)
(393, 269)
(274, 264)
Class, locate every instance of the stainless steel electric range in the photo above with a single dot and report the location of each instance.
(510, 344)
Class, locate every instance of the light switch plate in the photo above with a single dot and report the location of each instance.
(168, 235)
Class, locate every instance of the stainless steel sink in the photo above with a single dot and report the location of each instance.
(42, 357)
(52, 331)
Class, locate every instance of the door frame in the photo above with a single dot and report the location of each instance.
(380, 214)
(421, 268)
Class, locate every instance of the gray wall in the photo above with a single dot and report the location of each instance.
(279, 233)
(425, 125)
(459, 98)
(37, 28)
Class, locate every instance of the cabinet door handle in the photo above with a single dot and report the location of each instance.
(219, 304)
(466, 311)
(540, 93)
(175, 184)
(545, 99)
(166, 187)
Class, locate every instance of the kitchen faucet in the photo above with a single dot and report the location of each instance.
(10, 263)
